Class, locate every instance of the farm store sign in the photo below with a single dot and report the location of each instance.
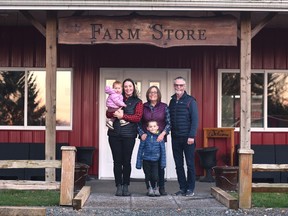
(158, 31)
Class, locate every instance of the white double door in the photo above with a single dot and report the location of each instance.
(144, 78)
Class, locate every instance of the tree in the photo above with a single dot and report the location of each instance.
(12, 98)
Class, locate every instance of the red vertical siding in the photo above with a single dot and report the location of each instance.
(256, 138)
(280, 138)
(268, 138)
(15, 136)
(4, 136)
(27, 136)
(39, 136)
(27, 48)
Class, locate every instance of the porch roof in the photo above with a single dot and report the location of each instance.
(147, 5)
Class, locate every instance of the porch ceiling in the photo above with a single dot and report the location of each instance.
(16, 18)
(147, 5)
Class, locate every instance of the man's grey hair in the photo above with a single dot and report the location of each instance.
(182, 78)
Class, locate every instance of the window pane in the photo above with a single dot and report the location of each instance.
(37, 96)
(277, 100)
(154, 83)
(230, 100)
(257, 100)
(63, 98)
(109, 82)
(12, 97)
(138, 86)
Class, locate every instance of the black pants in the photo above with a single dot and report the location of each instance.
(122, 148)
(161, 173)
(150, 169)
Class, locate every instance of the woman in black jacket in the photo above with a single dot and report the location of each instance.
(122, 138)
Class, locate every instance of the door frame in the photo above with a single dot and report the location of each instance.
(118, 72)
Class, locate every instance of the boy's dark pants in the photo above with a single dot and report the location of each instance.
(151, 172)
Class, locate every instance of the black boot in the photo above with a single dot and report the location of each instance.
(125, 191)
(119, 190)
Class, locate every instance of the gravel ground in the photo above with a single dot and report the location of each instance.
(167, 212)
(102, 201)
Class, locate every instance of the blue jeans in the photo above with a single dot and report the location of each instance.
(180, 146)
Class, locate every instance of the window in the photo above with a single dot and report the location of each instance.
(22, 99)
(269, 99)
(154, 83)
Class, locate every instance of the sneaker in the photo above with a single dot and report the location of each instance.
(162, 191)
(123, 122)
(180, 193)
(189, 193)
(109, 124)
(156, 191)
(150, 192)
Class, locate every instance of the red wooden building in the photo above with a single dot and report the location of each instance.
(213, 74)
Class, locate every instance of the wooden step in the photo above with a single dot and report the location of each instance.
(29, 185)
(270, 187)
(225, 198)
(270, 167)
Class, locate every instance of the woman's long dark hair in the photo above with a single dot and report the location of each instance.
(134, 86)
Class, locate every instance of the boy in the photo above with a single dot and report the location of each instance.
(114, 102)
(149, 153)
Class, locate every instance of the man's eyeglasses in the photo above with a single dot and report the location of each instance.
(180, 85)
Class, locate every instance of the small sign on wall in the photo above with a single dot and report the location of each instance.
(157, 31)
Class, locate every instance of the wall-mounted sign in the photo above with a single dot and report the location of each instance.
(158, 31)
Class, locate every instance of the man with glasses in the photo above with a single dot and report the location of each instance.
(184, 123)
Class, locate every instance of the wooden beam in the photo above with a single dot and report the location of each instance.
(67, 175)
(51, 68)
(245, 159)
(31, 164)
(270, 187)
(81, 197)
(34, 22)
(270, 167)
(225, 198)
(262, 23)
(141, 30)
(245, 81)
(19, 210)
(29, 185)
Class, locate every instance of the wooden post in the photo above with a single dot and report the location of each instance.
(245, 152)
(51, 67)
(245, 178)
(67, 175)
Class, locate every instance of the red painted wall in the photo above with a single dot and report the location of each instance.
(19, 48)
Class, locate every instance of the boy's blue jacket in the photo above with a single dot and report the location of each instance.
(151, 150)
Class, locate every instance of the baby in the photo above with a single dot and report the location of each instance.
(114, 102)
